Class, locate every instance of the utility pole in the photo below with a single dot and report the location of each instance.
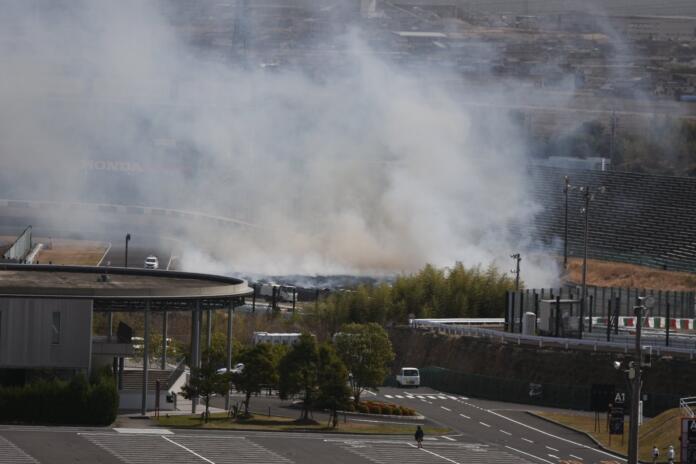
(517, 257)
(612, 142)
(565, 242)
(635, 378)
(128, 237)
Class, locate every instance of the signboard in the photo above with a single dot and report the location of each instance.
(616, 414)
(601, 396)
(688, 440)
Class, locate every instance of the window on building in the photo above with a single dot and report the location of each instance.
(55, 328)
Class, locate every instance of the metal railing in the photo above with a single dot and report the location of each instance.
(623, 346)
(686, 404)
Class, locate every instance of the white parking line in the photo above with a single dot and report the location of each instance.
(398, 396)
(446, 409)
(448, 438)
(554, 456)
(527, 440)
(549, 448)
(388, 396)
(530, 455)
(420, 397)
(484, 424)
(503, 431)
(442, 397)
(190, 451)
(465, 416)
(464, 398)
(576, 457)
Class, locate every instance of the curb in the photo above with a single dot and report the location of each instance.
(567, 427)
(382, 416)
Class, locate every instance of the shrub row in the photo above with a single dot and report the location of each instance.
(59, 402)
(376, 407)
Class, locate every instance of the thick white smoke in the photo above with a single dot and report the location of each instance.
(368, 168)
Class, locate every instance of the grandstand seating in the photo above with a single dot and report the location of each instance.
(641, 219)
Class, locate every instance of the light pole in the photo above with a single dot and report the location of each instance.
(517, 257)
(566, 188)
(128, 237)
(588, 195)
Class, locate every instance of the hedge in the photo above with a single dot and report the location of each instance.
(59, 402)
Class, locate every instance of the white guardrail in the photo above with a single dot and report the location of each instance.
(625, 345)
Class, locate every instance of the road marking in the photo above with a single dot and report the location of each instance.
(484, 424)
(432, 397)
(12, 454)
(527, 440)
(448, 438)
(189, 450)
(464, 398)
(152, 431)
(465, 416)
(370, 392)
(555, 436)
(398, 396)
(442, 397)
(420, 397)
(549, 448)
(434, 454)
(446, 409)
(554, 456)
(388, 396)
(530, 455)
(503, 431)
(576, 457)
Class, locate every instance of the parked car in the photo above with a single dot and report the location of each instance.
(151, 262)
(237, 369)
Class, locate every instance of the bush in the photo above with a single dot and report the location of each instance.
(407, 411)
(388, 410)
(396, 411)
(375, 409)
(59, 402)
(363, 408)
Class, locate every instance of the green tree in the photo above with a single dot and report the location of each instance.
(259, 371)
(366, 351)
(333, 390)
(298, 372)
(204, 382)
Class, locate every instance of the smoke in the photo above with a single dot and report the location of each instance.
(362, 166)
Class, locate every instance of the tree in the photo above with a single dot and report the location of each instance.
(366, 351)
(298, 372)
(334, 393)
(259, 371)
(205, 382)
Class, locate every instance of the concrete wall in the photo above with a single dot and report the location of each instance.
(26, 333)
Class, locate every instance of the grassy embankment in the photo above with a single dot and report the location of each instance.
(662, 430)
(286, 424)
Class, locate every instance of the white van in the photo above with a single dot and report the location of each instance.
(408, 377)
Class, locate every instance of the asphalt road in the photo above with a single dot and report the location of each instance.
(501, 424)
(483, 432)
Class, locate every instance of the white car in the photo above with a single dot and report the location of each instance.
(151, 262)
(409, 376)
(237, 369)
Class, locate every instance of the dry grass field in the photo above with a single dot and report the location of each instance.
(611, 274)
(75, 252)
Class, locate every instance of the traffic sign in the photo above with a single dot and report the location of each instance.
(616, 420)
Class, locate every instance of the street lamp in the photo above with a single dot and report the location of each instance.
(128, 237)
(588, 195)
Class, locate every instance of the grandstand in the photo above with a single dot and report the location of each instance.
(641, 219)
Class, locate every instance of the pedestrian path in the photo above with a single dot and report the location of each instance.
(12, 454)
(181, 449)
(400, 452)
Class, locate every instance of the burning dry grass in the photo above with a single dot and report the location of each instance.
(611, 274)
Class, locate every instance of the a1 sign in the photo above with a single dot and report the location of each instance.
(620, 398)
(688, 442)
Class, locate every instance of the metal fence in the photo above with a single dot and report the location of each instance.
(605, 301)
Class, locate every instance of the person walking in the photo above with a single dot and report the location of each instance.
(670, 454)
(655, 454)
(419, 436)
